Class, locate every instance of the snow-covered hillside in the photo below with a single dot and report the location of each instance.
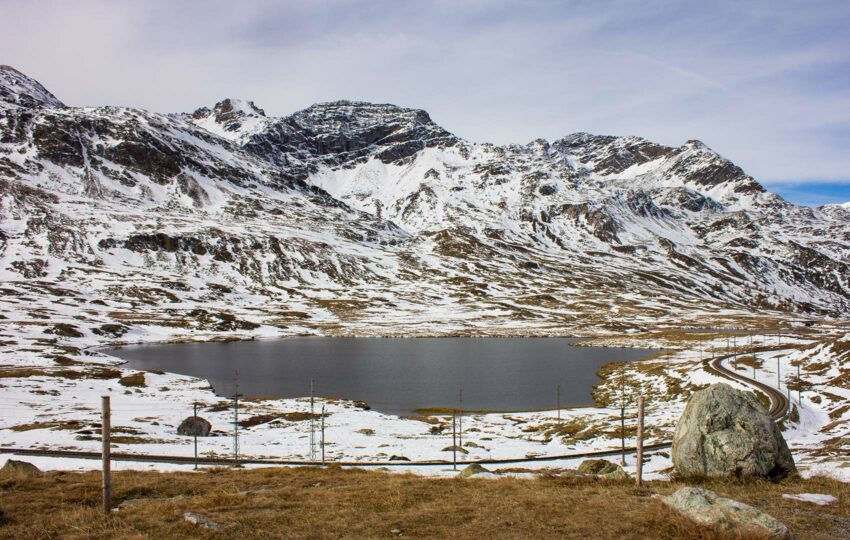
(122, 225)
(369, 218)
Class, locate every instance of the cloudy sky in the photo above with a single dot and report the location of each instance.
(767, 84)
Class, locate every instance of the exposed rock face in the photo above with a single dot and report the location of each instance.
(19, 467)
(727, 432)
(725, 515)
(194, 425)
(602, 467)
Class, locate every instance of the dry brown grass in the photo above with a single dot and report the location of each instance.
(336, 503)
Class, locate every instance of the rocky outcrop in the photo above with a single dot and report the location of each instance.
(602, 468)
(472, 470)
(194, 426)
(727, 432)
(14, 466)
(725, 516)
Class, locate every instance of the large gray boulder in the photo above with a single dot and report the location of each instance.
(194, 425)
(726, 516)
(728, 432)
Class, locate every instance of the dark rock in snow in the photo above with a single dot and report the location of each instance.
(194, 426)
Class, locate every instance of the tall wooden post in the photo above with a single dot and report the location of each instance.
(312, 424)
(799, 387)
(460, 419)
(105, 432)
(623, 434)
(454, 442)
(559, 404)
(778, 380)
(323, 434)
(236, 430)
(623, 413)
(195, 414)
(639, 464)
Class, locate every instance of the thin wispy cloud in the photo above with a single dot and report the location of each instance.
(765, 83)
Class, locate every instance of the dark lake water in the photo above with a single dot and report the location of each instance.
(396, 376)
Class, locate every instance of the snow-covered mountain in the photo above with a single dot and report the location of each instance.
(371, 218)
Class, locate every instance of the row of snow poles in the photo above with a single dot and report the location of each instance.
(732, 350)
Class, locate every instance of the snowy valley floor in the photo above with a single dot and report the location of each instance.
(50, 388)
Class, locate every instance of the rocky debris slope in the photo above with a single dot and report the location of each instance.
(727, 432)
(351, 217)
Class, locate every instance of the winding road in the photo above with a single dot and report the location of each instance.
(779, 409)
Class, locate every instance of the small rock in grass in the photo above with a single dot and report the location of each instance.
(725, 516)
(19, 467)
(602, 468)
(460, 449)
(201, 521)
(472, 470)
(398, 458)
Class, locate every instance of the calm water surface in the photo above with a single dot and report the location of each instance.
(397, 375)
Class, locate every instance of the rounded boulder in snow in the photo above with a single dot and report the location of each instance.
(194, 425)
(728, 432)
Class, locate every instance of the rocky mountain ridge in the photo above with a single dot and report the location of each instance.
(370, 218)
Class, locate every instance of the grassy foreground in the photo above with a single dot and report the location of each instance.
(334, 503)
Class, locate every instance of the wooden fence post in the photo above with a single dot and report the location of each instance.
(639, 465)
(106, 430)
(195, 414)
(454, 442)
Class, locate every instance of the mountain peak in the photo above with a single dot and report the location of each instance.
(697, 146)
(356, 115)
(230, 118)
(19, 90)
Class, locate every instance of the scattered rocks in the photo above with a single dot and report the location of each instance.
(726, 516)
(728, 432)
(194, 426)
(472, 470)
(14, 466)
(136, 379)
(602, 468)
(201, 521)
(64, 330)
(452, 448)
